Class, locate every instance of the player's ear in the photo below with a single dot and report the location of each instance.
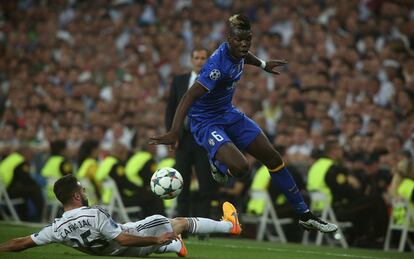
(77, 196)
(229, 36)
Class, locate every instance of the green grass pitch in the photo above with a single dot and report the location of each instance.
(217, 248)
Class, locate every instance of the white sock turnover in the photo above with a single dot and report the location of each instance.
(206, 226)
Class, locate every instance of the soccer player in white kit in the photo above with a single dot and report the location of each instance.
(93, 231)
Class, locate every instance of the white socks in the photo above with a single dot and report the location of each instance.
(174, 246)
(206, 226)
(198, 226)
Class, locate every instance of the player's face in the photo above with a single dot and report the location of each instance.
(198, 58)
(239, 42)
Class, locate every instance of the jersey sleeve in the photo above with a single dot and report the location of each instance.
(44, 236)
(210, 75)
(107, 226)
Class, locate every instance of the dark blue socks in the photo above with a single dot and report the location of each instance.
(284, 181)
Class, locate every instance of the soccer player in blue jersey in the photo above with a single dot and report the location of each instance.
(223, 130)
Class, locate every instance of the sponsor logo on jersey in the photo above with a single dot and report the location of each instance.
(211, 142)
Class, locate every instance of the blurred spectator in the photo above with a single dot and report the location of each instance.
(300, 150)
(56, 166)
(189, 155)
(117, 134)
(139, 168)
(403, 180)
(367, 213)
(87, 162)
(15, 175)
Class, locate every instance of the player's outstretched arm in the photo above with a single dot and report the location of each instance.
(170, 138)
(268, 66)
(17, 244)
(130, 240)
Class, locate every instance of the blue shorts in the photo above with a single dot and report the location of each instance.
(233, 126)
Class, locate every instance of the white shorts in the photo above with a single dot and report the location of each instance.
(151, 226)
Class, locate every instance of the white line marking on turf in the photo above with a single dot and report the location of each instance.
(287, 250)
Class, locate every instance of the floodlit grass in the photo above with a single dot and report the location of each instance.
(212, 248)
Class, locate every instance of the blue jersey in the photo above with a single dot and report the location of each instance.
(219, 76)
(214, 121)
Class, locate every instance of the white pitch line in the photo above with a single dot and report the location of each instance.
(286, 250)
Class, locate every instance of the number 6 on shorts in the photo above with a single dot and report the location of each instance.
(217, 136)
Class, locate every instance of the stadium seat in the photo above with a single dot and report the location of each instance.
(404, 224)
(116, 206)
(50, 210)
(52, 205)
(5, 201)
(269, 216)
(327, 214)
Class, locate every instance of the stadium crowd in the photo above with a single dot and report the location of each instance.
(82, 70)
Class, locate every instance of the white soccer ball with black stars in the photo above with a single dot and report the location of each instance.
(166, 183)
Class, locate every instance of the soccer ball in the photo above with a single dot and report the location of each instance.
(166, 183)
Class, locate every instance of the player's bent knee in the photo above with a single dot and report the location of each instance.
(275, 163)
(179, 224)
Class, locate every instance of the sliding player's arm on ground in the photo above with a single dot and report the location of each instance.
(270, 66)
(17, 244)
(196, 91)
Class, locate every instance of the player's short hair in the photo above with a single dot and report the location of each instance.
(65, 187)
(239, 22)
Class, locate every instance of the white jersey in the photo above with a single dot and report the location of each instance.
(88, 229)
(92, 230)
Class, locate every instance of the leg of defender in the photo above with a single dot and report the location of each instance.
(263, 150)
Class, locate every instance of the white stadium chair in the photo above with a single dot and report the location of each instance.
(406, 226)
(5, 201)
(52, 205)
(327, 214)
(269, 216)
(50, 210)
(116, 206)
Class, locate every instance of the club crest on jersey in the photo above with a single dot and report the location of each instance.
(211, 142)
(215, 74)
